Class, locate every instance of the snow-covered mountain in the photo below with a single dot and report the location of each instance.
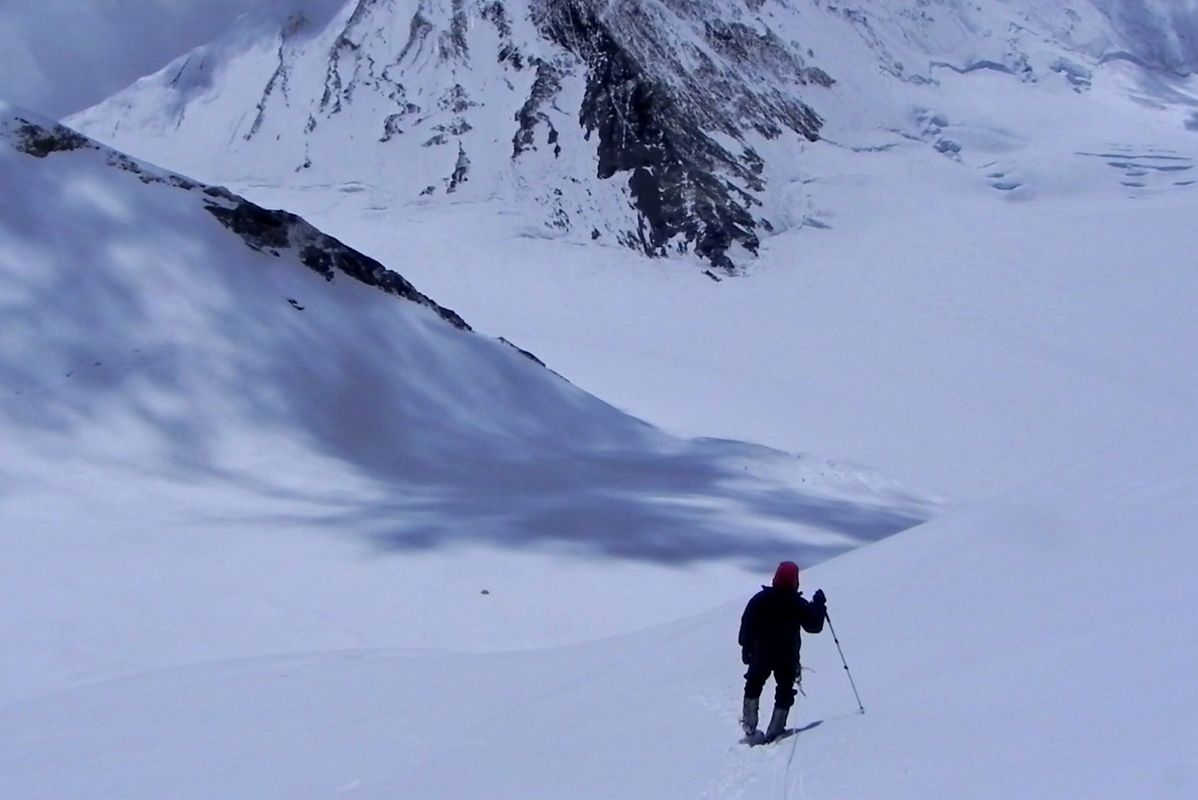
(275, 523)
(664, 125)
(582, 112)
(986, 181)
(188, 375)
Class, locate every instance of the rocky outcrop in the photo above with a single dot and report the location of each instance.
(39, 141)
(656, 116)
(276, 231)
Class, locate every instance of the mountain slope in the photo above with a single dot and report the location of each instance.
(311, 446)
(660, 125)
(1038, 646)
(984, 295)
(539, 102)
(956, 286)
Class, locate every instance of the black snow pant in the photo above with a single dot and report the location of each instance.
(784, 677)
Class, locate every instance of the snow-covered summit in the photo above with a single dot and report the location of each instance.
(663, 125)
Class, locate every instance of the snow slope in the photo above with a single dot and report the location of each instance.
(1036, 646)
(219, 443)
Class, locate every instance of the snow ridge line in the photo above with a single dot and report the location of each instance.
(269, 231)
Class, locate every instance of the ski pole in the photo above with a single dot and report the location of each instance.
(852, 683)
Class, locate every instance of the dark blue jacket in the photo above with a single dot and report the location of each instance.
(770, 627)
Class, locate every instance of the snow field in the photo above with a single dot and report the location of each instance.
(1036, 646)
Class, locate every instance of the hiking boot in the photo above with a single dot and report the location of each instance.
(777, 725)
(748, 718)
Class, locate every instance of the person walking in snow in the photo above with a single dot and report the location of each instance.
(769, 643)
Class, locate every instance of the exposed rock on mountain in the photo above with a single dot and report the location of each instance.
(641, 120)
(653, 112)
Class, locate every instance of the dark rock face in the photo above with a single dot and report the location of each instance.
(39, 142)
(275, 231)
(544, 89)
(655, 117)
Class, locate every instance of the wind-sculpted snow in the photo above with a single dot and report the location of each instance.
(1155, 33)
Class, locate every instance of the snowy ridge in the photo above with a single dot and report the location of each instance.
(262, 230)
